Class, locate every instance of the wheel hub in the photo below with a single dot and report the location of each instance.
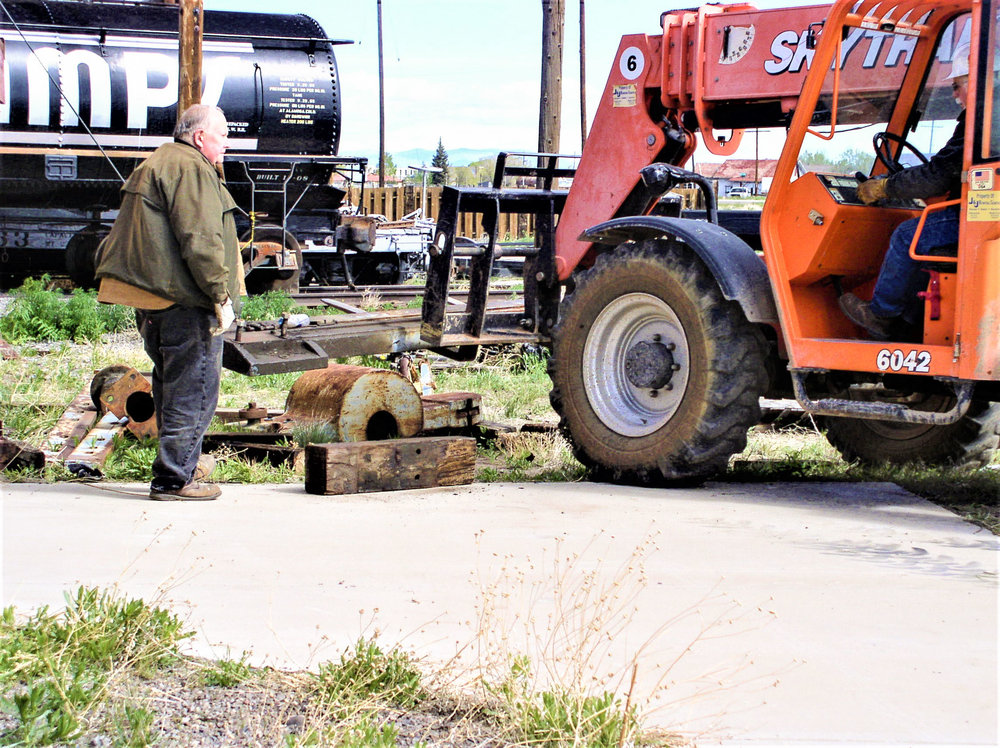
(649, 364)
(636, 364)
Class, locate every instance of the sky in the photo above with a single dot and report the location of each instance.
(465, 71)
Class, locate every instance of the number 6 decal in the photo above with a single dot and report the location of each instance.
(632, 63)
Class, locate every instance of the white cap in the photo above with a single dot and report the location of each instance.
(959, 61)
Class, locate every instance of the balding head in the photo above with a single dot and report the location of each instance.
(205, 127)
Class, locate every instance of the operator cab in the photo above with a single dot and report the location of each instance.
(889, 106)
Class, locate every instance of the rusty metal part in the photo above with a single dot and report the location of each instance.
(126, 393)
(266, 351)
(451, 410)
(317, 296)
(252, 414)
(16, 455)
(71, 427)
(361, 403)
(261, 252)
(357, 233)
(86, 458)
(881, 410)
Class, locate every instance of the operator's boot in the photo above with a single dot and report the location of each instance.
(191, 492)
(204, 468)
(860, 313)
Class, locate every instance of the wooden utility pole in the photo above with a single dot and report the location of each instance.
(583, 75)
(192, 13)
(381, 105)
(550, 113)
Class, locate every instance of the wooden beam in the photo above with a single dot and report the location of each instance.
(189, 58)
(390, 465)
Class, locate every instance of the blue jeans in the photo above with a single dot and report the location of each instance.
(901, 277)
(187, 364)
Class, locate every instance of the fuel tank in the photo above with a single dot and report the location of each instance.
(87, 79)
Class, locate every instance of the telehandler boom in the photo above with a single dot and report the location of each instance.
(666, 331)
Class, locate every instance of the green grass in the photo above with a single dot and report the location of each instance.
(227, 673)
(514, 385)
(561, 717)
(56, 667)
(365, 672)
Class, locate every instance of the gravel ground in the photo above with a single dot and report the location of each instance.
(268, 709)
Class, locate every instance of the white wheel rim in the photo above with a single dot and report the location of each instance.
(620, 405)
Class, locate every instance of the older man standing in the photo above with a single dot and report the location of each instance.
(173, 255)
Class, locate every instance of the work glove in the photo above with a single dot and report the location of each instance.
(873, 190)
(224, 315)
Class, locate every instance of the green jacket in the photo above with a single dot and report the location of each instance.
(175, 235)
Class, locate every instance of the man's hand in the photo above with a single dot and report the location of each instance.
(224, 315)
(872, 190)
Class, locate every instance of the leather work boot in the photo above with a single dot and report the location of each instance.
(206, 464)
(860, 313)
(191, 492)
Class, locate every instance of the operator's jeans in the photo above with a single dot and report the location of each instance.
(902, 278)
(187, 363)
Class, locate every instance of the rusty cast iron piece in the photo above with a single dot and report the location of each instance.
(361, 403)
(71, 428)
(126, 393)
(129, 396)
(86, 458)
(451, 410)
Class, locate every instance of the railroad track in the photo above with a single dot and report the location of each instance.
(342, 296)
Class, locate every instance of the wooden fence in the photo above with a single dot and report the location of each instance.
(396, 202)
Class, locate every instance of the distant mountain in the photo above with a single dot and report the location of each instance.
(424, 156)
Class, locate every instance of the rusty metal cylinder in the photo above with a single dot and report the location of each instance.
(362, 404)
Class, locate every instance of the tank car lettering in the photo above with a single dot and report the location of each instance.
(140, 67)
(217, 69)
(40, 91)
(99, 74)
(48, 64)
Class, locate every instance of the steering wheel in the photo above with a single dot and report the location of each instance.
(883, 141)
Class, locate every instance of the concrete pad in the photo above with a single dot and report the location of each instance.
(777, 614)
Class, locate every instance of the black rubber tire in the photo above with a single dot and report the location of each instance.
(258, 282)
(725, 377)
(970, 442)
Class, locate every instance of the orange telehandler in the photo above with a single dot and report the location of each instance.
(666, 329)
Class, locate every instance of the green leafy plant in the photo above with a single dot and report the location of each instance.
(560, 717)
(366, 672)
(135, 726)
(57, 666)
(38, 313)
(269, 305)
(226, 673)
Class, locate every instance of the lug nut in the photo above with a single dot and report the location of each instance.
(654, 393)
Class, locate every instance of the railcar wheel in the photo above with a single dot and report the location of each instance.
(970, 441)
(260, 281)
(655, 375)
(81, 258)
